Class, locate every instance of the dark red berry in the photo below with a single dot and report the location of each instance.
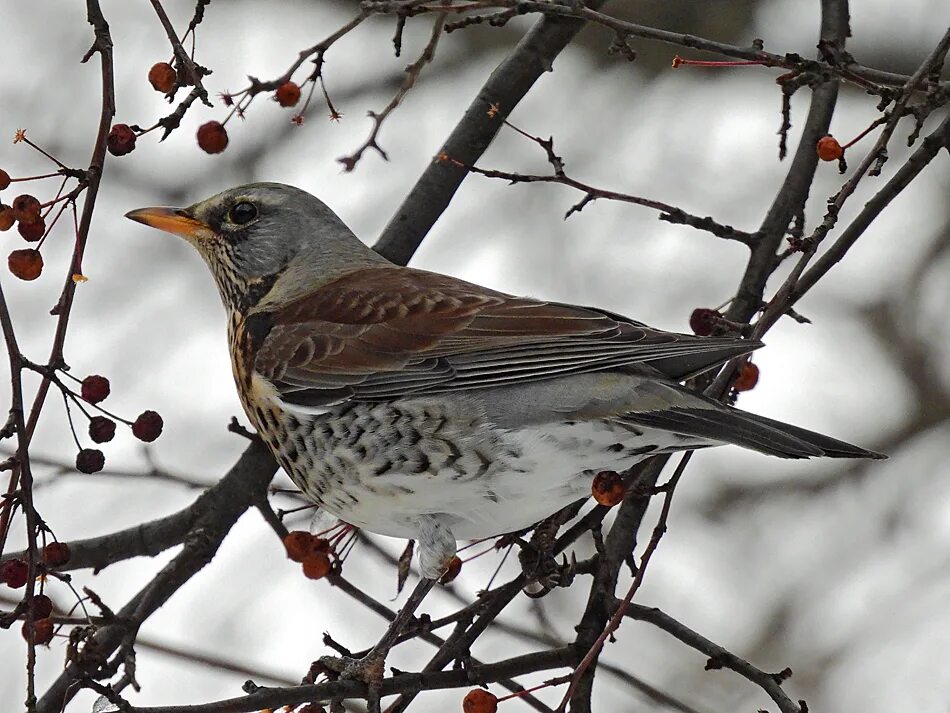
(121, 140)
(829, 149)
(607, 488)
(287, 94)
(101, 429)
(703, 321)
(748, 377)
(14, 573)
(90, 460)
(478, 700)
(162, 77)
(212, 137)
(56, 554)
(148, 426)
(41, 606)
(42, 630)
(298, 544)
(94, 388)
(27, 264)
(316, 565)
(31, 232)
(26, 208)
(7, 218)
(4, 180)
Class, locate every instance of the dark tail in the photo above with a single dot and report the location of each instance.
(765, 435)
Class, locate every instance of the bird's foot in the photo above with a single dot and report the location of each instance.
(550, 574)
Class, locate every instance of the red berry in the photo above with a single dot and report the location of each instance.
(41, 606)
(298, 544)
(4, 180)
(90, 460)
(287, 94)
(94, 388)
(212, 137)
(42, 630)
(121, 140)
(148, 426)
(26, 264)
(703, 321)
(829, 149)
(452, 571)
(56, 554)
(14, 573)
(101, 429)
(316, 565)
(748, 377)
(607, 488)
(162, 77)
(478, 700)
(31, 232)
(26, 208)
(7, 218)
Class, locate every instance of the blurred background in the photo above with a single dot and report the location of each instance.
(837, 570)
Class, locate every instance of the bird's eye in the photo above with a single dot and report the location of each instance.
(243, 213)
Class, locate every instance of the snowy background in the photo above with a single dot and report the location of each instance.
(837, 570)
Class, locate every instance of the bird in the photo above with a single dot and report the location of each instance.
(417, 405)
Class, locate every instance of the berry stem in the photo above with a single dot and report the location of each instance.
(856, 139)
(679, 61)
(22, 137)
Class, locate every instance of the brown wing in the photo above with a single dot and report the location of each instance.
(381, 333)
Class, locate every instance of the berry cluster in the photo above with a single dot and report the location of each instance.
(92, 391)
(26, 212)
(14, 574)
(311, 551)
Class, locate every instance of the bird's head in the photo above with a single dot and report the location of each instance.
(264, 241)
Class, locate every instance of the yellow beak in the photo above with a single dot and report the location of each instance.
(171, 220)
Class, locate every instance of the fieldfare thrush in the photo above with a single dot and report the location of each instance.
(417, 405)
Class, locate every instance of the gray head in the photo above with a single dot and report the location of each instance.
(264, 241)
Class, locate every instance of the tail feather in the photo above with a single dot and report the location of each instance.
(765, 435)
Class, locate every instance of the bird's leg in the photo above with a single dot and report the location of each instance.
(537, 560)
(436, 549)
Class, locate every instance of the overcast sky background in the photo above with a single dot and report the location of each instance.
(847, 582)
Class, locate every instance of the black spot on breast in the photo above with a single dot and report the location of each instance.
(615, 448)
(385, 467)
(423, 464)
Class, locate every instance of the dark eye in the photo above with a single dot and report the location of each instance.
(243, 213)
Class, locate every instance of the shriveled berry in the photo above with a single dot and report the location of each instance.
(26, 208)
(121, 140)
(42, 630)
(41, 606)
(7, 218)
(607, 488)
(162, 77)
(478, 700)
(14, 573)
(31, 232)
(56, 554)
(703, 321)
(148, 426)
(298, 544)
(26, 264)
(90, 460)
(316, 565)
(212, 137)
(4, 180)
(748, 377)
(94, 388)
(287, 94)
(452, 571)
(829, 149)
(101, 429)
